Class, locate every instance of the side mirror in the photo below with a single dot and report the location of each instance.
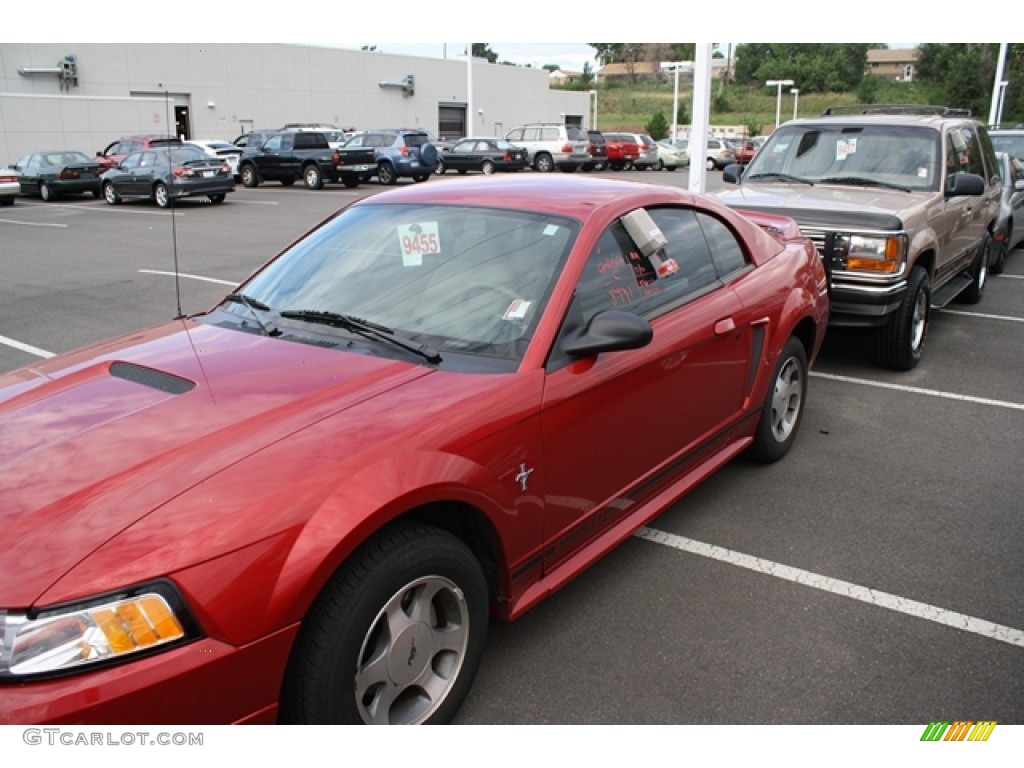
(732, 173)
(609, 331)
(965, 184)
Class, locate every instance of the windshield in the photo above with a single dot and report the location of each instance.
(904, 156)
(457, 278)
(1010, 144)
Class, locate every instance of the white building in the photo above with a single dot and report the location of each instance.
(85, 95)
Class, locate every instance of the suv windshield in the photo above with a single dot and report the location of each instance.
(902, 156)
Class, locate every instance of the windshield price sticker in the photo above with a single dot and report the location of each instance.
(845, 148)
(418, 239)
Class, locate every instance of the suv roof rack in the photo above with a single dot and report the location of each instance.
(896, 109)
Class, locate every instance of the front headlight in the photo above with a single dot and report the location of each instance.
(107, 629)
(879, 254)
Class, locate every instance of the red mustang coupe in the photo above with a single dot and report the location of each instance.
(439, 405)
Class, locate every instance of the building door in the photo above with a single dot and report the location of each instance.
(451, 121)
(181, 123)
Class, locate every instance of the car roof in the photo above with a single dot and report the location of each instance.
(925, 121)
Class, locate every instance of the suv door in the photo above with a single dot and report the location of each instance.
(268, 157)
(967, 215)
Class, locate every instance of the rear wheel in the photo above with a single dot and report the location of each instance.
(784, 405)
(979, 274)
(999, 257)
(487, 167)
(901, 339)
(395, 637)
(660, 165)
(312, 176)
(217, 199)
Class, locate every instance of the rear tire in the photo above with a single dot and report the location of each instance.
(901, 340)
(395, 636)
(979, 274)
(487, 167)
(543, 163)
(313, 177)
(784, 405)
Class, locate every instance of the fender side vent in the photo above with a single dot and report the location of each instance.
(148, 377)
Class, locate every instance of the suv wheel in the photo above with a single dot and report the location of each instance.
(313, 177)
(901, 340)
(249, 176)
(543, 163)
(386, 174)
(979, 274)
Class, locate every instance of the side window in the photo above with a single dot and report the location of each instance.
(618, 276)
(989, 153)
(726, 252)
(531, 134)
(974, 162)
(516, 134)
(550, 133)
(132, 161)
(274, 142)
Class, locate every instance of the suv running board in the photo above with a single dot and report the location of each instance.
(950, 290)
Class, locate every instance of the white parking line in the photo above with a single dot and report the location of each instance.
(26, 347)
(190, 277)
(982, 314)
(1011, 277)
(121, 209)
(920, 391)
(892, 602)
(236, 201)
(32, 223)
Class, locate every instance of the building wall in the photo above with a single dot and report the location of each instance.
(126, 88)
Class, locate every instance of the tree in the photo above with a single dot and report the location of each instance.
(483, 51)
(657, 129)
(962, 73)
(815, 67)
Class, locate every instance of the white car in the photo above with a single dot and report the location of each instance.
(10, 188)
(225, 150)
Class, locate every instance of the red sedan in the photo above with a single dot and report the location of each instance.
(443, 402)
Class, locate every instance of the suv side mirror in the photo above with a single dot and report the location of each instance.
(732, 173)
(965, 184)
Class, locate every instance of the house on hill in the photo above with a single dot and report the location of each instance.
(897, 64)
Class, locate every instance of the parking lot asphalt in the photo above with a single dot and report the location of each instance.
(873, 576)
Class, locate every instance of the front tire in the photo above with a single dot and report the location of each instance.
(543, 163)
(783, 407)
(386, 174)
(161, 195)
(249, 176)
(901, 339)
(110, 194)
(710, 164)
(46, 193)
(395, 637)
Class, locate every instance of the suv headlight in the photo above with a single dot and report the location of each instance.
(879, 254)
(103, 630)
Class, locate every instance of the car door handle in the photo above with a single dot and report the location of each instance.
(724, 326)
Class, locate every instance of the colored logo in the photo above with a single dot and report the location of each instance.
(960, 730)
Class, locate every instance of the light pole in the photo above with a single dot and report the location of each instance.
(593, 118)
(796, 99)
(675, 66)
(778, 97)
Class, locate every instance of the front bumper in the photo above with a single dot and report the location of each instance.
(203, 683)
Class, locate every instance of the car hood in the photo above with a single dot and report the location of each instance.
(823, 204)
(94, 441)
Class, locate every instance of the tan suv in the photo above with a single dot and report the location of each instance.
(901, 202)
(552, 145)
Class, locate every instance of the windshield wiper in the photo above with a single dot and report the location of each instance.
(364, 328)
(782, 177)
(252, 305)
(863, 181)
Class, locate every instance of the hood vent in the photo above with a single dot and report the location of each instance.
(148, 377)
